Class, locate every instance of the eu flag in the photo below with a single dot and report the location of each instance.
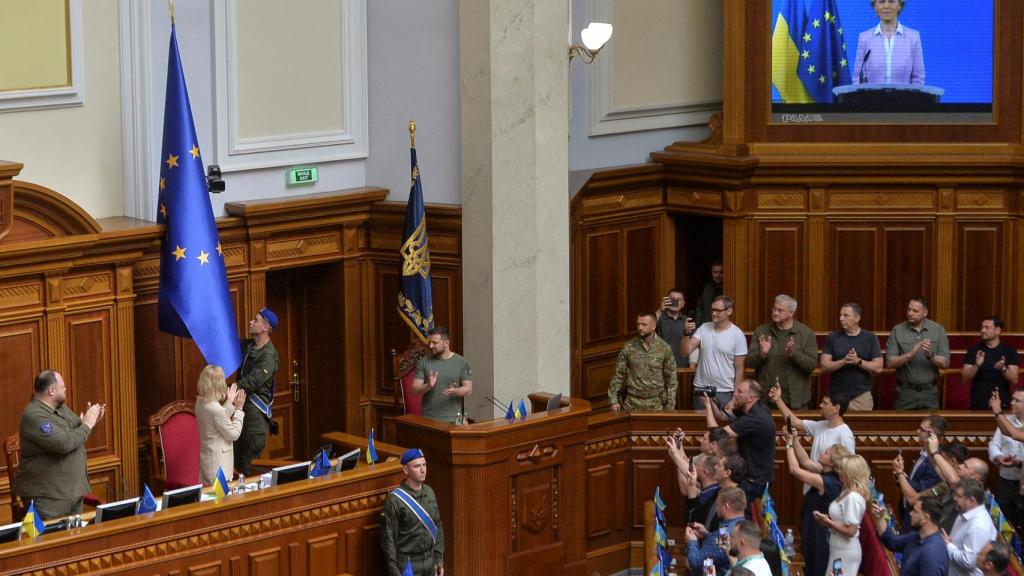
(823, 63)
(194, 298)
(147, 503)
(415, 302)
(786, 38)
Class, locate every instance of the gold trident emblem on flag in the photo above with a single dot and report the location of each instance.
(416, 252)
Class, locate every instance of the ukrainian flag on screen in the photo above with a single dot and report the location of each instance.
(786, 37)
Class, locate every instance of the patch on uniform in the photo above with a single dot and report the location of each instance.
(46, 428)
(469, 370)
(265, 371)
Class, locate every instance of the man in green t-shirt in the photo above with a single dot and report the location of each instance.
(444, 378)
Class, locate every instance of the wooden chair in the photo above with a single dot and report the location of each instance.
(403, 370)
(12, 452)
(174, 445)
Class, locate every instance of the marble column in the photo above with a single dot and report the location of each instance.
(515, 213)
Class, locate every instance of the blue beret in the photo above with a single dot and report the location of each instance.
(411, 454)
(270, 317)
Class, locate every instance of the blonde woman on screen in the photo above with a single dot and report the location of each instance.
(219, 416)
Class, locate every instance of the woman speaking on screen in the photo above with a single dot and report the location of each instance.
(889, 53)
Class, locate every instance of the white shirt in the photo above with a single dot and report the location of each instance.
(971, 531)
(1003, 445)
(825, 438)
(718, 352)
(889, 42)
(756, 564)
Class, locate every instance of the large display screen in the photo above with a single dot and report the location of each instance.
(882, 61)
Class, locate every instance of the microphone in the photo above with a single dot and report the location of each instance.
(863, 62)
(497, 403)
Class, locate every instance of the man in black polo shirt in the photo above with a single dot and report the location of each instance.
(990, 365)
(752, 425)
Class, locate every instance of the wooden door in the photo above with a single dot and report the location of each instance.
(308, 398)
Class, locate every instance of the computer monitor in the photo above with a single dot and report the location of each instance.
(10, 532)
(289, 473)
(115, 510)
(347, 461)
(555, 402)
(181, 496)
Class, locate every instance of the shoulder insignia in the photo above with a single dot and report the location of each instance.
(469, 370)
(46, 428)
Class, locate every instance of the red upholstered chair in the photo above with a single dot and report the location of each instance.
(174, 445)
(403, 373)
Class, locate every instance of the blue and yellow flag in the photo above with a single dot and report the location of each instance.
(522, 409)
(147, 503)
(771, 517)
(32, 525)
(786, 56)
(415, 301)
(194, 299)
(371, 450)
(657, 570)
(220, 485)
(823, 62)
(518, 414)
(658, 502)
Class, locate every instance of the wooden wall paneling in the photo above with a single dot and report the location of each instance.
(781, 246)
(908, 270)
(854, 259)
(322, 555)
(736, 260)
(126, 443)
(88, 374)
(603, 279)
(642, 250)
(980, 272)
(351, 376)
(946, 289)
(20, 356)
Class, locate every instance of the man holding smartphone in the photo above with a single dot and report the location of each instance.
(672, 323)
(702, 544)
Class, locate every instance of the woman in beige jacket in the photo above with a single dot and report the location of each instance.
(219, 415)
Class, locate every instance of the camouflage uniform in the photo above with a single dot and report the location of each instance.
(403, 537)
(650, 376)
(256, 377)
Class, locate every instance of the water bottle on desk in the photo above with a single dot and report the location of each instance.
(240, 487)
(788, 548)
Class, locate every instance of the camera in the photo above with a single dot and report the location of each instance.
(708, 391)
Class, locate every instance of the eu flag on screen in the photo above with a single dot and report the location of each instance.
(415, 302)
(823, 63)
(786, 38)
(194, 298)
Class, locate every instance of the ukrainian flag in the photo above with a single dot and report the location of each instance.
(32, 525)
(220, 486)
(371, 450)
(787, 36)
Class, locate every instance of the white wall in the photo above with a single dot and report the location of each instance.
(414, 74)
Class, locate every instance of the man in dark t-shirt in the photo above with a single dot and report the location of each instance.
(851, 354)
(751, 424)
(671, 325)
(989, 365)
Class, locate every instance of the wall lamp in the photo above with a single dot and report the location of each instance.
(594, 37)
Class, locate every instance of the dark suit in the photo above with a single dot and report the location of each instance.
(922, 477)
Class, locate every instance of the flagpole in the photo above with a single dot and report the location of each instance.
(412, 133)
(170, 8)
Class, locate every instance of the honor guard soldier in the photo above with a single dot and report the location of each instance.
(256, 377)
(411, 529)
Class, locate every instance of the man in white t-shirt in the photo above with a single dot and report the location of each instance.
(825, 433)
(723, 349)
(745, 547)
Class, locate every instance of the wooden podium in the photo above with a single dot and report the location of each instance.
(511, 494)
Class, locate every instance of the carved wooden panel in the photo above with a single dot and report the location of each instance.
(602, 278)
(84, 286)
(597, 372)
(21, 294)
(304, 247)
(635, 199)
(982, 259)
(21, 360)
(881, 200)
(535, 506)
(600, 480)
(647, 474)
(781, 201)
(908, 271)
(323, 555)
(782, 265)
(207, 569)
(692, 198)
(854, 260)
(642, 292)
(89, 368)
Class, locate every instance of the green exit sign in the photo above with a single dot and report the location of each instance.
(303, 175)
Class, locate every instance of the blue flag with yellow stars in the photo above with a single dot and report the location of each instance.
(823, 63)
(194, 298)
(415, 301)
(147, 503)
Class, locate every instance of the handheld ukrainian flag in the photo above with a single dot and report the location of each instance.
(408, 568)
(657, 570)
(220, 485)
(415, 302)
(321, 465)
(371, 450)
(522, 409)
(658, 502)
(787, 37)
(32, 526)
(774, 532)
(147, 503)
(1005, 529)
(660, 536)
(194, 299)
(823, 62)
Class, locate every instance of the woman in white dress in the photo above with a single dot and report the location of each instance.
(219, 416)
(845, 515)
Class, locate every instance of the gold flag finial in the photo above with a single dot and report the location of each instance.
(412, 133)
(170, 8)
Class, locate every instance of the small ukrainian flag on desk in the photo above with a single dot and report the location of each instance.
(220, 486)
(32, 526)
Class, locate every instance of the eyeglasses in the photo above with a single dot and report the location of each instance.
(719, 309)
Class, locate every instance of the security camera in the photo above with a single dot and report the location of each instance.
(214, 179)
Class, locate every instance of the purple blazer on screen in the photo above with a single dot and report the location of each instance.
(907, 57)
